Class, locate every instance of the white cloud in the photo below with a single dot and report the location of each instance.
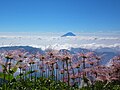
(56, 42)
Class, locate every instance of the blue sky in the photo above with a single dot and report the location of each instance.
(59, 15)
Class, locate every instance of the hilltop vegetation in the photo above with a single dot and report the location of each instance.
(57, 70)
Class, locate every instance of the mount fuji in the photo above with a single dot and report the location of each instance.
(68, 34)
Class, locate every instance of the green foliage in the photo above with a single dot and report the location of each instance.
(102, 86)
(7, 76)
(8, 73)
(24, 74)
(14, 69)
(39, 84)
(49, 84)
(28, 78)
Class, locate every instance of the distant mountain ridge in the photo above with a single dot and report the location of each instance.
(107, 53)
(29, 49)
